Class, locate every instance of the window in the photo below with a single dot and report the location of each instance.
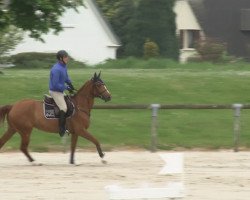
(245, 19)
(188, 38)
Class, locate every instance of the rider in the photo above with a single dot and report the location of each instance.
(58, 78)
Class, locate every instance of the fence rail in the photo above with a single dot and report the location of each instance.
(155, 107)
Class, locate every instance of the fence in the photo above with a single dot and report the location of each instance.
(155, 107)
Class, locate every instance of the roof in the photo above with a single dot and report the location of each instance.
(185, 18)
(104, 22)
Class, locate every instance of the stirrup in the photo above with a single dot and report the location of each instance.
(66, 131)
(62, 132)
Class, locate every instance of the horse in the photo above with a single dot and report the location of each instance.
(25, 115)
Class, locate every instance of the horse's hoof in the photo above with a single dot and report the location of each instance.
(34, 163)
(104, 162)
(74, 164)
(102, 155)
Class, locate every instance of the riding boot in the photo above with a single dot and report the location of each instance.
(62, 123)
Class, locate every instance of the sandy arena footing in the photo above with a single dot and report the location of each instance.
(220, 175)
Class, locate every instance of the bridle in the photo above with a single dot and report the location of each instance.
(100, 94)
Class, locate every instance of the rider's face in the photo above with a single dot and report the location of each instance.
(65, 59)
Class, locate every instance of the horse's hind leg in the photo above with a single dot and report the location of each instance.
(25, 140)
(6, 136)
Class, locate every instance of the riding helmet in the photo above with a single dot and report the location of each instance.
(60, 54)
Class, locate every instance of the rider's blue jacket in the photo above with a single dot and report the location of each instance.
(58, 77)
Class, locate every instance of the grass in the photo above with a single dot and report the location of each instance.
(209, 129)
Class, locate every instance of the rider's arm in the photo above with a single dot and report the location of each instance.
(55, 79)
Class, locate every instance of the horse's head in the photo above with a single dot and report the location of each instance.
(100, 89)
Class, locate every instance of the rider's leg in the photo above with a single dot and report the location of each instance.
(62, 123)
(59, 99)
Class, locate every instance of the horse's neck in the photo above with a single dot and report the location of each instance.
(84, 97)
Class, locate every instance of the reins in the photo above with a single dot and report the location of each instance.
(77, 107)
(83, 110)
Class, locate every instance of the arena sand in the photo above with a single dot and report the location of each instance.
(216, 175)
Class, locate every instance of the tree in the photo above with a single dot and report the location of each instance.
(119, 13)
(109, 7)
(136, 20)
(121, 23)
(36, 16)
(10, 36)
(154, 19)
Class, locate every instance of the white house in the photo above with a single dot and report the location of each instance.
(89, 38)
(86, 36)
(188, 29)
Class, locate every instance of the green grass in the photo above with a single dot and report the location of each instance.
(209, 129)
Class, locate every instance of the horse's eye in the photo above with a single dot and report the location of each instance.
(99, 84)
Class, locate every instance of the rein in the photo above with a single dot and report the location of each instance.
(83, 110)
(77, 107)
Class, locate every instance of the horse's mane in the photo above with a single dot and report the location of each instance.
(83, 88)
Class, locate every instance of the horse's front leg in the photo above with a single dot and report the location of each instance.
(84, 133)
(74, 138)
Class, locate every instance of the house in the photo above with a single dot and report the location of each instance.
(86, 36)
(227, 21)
(188, 29)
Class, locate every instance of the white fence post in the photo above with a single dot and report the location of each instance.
(237, 109)
(155, 108)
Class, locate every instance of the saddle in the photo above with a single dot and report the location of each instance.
(51, 110)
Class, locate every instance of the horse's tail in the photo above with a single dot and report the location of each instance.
(4, 110)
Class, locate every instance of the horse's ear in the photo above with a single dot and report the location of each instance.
(99, 75)
(95, 76)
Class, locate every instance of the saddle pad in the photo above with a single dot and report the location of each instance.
(52, 112)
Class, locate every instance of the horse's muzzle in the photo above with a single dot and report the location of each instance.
(107, 99)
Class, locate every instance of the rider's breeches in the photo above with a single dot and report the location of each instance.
(59, 99)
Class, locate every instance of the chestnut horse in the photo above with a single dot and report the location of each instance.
(25, 115)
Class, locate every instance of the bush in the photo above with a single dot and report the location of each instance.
(151, 49)
(210, 50)
(39, 60)
(137, 63)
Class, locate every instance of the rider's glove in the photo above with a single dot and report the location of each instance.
(71, 86)
(70, 90)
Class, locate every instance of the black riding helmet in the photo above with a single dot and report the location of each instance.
(60, 54)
